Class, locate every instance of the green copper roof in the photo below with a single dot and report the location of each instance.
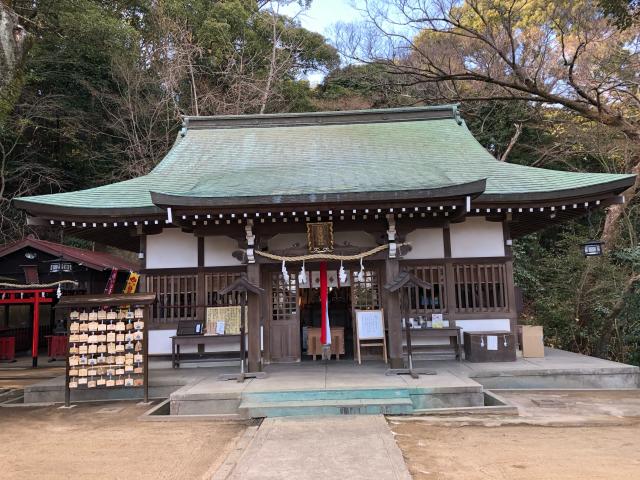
(329, 153)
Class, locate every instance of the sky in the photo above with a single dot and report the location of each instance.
(320, 17)
(324, 13)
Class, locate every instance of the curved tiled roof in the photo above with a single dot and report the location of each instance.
(311, 157)
(89, 258)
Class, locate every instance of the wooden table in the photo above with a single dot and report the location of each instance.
(204, 340)
(452, 333)
(314, 345)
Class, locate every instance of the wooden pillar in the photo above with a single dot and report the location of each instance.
(394, 322)
(142, 255)
(254, 311)
(201, 291)
(509, 282)
(450, 284)
(36, 330)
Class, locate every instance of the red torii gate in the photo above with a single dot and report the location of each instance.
(29, 296)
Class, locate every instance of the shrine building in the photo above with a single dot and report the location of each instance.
(376, 192)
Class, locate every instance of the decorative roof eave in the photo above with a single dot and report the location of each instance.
(570, 195)
(73, 254)
(87, 214)
(471, 189)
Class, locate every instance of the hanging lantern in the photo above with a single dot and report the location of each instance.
(592, 248)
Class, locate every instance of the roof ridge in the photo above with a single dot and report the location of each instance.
(335, 117)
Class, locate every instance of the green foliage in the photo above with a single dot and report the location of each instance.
(106, 82)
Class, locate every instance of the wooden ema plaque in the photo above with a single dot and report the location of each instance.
(106, 348)
(108, 344)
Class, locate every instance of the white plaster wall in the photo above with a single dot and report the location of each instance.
(172, 249)
(283, 241)
(476, 237)
(484, 325)
(425, 243)
(160, 343)
(218, 251)
(355, 239)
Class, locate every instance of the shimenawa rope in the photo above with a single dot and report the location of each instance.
(326, 256)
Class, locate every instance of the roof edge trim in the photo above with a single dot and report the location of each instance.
(612, 187)
(37, 209)
(401, 114)
(475, 188)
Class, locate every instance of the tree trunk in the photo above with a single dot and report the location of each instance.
(615, 212)
(12, 45)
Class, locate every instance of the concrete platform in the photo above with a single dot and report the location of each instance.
(195, 389)
(313, 388)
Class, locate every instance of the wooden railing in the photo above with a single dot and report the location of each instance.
(478, 287)
(178, 298)
(423, 302)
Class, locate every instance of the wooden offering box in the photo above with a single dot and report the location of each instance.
(498, 346)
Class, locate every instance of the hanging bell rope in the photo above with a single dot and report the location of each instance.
(326, 256)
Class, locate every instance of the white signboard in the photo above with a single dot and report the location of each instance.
(370, 324)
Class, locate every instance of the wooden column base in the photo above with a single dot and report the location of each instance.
(396, 363)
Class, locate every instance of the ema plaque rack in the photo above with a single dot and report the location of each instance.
(108, 342)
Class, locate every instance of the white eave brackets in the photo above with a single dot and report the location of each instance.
(251, 239)
(391, 235)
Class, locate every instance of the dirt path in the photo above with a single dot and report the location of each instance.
(590, 435)
(519, 453)
(106, 441)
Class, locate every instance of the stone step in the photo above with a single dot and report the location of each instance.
(354, 406)
(309, 395)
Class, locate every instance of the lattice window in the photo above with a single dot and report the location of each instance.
(366, 294)
(216, 281)
(480, 287)
(176, 296)
(284, 298)
(426, 302)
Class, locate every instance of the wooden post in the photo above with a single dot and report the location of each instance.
(67, 390)
(243, 331)
(36, 330)
(394, 322)
(254, 313)
(145, 343)
(449, 277)
(201, 291)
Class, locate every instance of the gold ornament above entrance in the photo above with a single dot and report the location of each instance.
(320, 237)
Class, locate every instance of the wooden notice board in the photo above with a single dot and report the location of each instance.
(370, 331)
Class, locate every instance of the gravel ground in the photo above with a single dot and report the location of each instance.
(107, 441)
(558, 436)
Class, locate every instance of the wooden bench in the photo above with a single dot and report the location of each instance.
(452, 333)
(178, 341)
